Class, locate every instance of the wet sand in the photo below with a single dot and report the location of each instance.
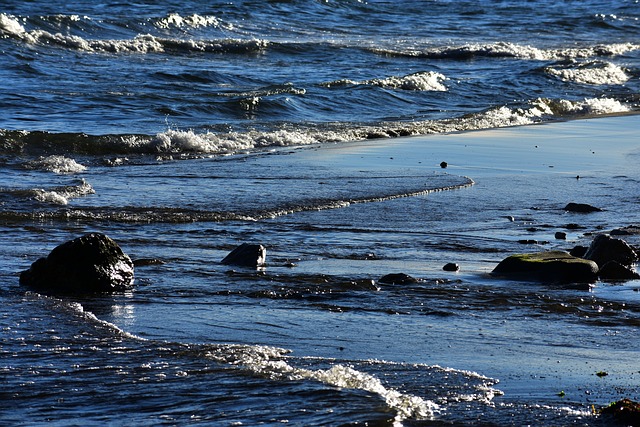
(523, 177)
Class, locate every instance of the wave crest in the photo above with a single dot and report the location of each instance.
(592, 73)
(142, 43)
(175, 20)
(512, 50)
(57, 164)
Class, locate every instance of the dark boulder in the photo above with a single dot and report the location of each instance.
(247, 255)
(625, 411)
(604, 249)
(93, 263)
(578, 251)
(561, 235)
(614, 271)
(552, 266)
(626, 231)
(397, 279)
(581, 208)
(451, 266)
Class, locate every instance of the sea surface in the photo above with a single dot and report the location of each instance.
(183, 129)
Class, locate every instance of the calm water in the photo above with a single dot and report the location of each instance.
(176, 127)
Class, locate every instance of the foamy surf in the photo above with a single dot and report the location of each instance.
(592, 73)
(271, 362)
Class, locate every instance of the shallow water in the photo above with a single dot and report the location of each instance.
(184, 129)
(315, 337)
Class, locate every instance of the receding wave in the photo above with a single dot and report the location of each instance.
(278, 364)
(143, 43)
(511, 50)
(333, 194)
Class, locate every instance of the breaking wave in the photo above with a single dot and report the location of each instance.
(57, 164)
(592, 73)
(56, 195)
(143, 43)
(423, 81)
(189, 142)
(511, 50)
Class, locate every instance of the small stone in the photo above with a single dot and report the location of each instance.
(561, 235)
(443, 165)
(451, 266)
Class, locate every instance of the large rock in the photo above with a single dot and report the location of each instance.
(625, 411)
(552, 266)
(93, 263)
(581, 208)
(604, 248)
(397, 279)
(614, 271)
(247, 255)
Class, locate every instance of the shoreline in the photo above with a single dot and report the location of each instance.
(547, 165)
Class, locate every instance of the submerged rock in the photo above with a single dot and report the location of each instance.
(581, 208)
(397, 279)
(553, 266)
(247, 255)
(604, 248)
(93, 263)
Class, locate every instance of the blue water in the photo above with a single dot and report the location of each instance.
(182, 129)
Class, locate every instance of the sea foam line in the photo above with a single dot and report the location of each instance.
(142, 43)
(268, 361)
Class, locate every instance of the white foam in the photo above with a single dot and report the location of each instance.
(143, 43)
(594, 106)
(424, 81)
(62, 195)
(513, 50)
(10, 25)
(52, 197)
(58, 164)
(194, 21)
(268, 361)
(595, 73)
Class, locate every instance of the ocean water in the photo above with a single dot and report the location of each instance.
(182, 129)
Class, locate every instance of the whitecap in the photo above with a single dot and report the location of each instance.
(10, 25)
(142, 43)
(424, 81)
(513, 50)
(194, 21)
(593, 73)
(62, 195)
(57, 164)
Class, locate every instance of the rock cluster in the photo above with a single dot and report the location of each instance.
(606, 258)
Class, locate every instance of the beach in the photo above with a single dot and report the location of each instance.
(388, 158)
(470, 347)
